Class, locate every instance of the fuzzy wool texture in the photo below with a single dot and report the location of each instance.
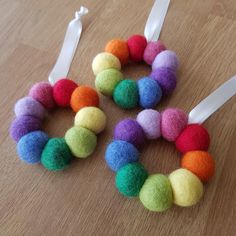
(27, 106)
(150, 121)
(91, 118)
(56, 155)
(120, 153)
(173, 122)
(193, 137)
(81, 141)
(105, 61)
(31, 145)
(156, 193)
(107, 80)
(130, 131)
(187, 187)
(150, 92)
(152, 50)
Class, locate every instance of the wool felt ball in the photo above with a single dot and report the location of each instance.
(23, 125)
(150, 92)
(91, 118)
(105, 61)
(137, 45)
(126, 94)
(193, 137)
(118, 48)
(130, 179)
(152, 50)
(31, 145)
(201, 163)
(81, 141)
(56, 155)
(43, 93)
(156, 193)
(62, 91)
(27, 106)
(130, 131)
(167, 59)
(84, 96)
(173, 122)
(187, 187)
(150, 121)
(119, 153)
(107, 80)
(166, 79)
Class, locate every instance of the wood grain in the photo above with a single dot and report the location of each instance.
(83, 200)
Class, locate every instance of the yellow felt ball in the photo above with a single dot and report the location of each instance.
(91, 118)
(187, 187)
(105, 61)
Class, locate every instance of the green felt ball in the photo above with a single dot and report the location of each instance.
(81, 141)
(56, 154)
(130, 179)
(107, 80)
(126, 94)
(156, 193)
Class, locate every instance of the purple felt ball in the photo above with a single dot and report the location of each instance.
(130, 131)
(28, 106)
(167, 59)
(166, 79)
(150, 121)
(23, 125)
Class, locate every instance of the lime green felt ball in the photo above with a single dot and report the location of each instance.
(156, 193)
(107, 80)
(56, 154)
(130, 179)
(81, 141)
(126, 94)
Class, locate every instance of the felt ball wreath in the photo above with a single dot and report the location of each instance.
(35, 146)
(157, 192)
(147, 91)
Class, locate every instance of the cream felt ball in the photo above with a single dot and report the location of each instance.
(156, 193)
(105, 61)
(91, 118)
(187, 187)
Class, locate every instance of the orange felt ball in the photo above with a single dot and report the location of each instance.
(118, 48)
(200, 163)
(84, 96)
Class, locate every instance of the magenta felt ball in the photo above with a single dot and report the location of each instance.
(150, 121)
(152, 50)
(27, 106)
(130, 131)
(167, 59)
(43, 93)
(173, 121)
(23, 125)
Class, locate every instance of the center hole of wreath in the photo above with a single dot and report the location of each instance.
(136, 70)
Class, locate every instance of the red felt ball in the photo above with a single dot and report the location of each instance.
(136, 45)
(62, 92)
(194, 137)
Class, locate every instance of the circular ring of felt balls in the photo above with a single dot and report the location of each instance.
(35, 146)
(147, 91)
(157, 192)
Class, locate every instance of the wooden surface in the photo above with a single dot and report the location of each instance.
(83, 200)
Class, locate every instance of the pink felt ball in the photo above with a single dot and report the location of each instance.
(152, 50)
(43, 93)
(173, 121)
(150, 121)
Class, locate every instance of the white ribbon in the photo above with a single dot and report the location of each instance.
(156, 19)
(213, 102)
(70, 43)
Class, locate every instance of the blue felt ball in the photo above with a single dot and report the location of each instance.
(31, 145)
(120, 153)
(150, 92)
